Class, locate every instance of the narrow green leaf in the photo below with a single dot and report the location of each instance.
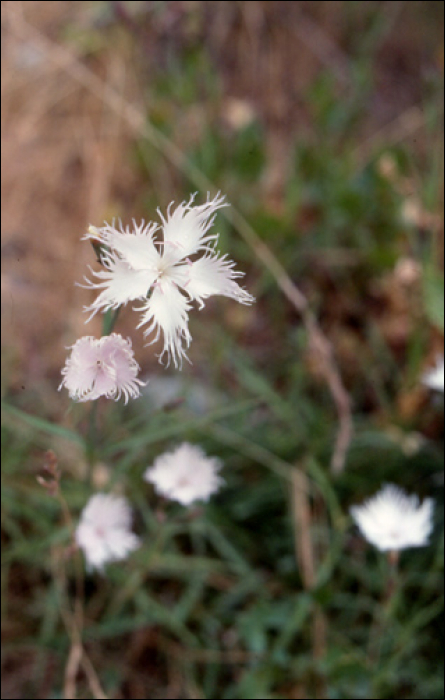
(40, 424)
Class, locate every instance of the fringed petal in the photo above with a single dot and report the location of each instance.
(119, 283)
(211, 275)
(185, 229)
(167, 311)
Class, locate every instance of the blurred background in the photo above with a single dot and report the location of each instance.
(322, 122)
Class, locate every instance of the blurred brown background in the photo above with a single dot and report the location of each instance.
(66, 144)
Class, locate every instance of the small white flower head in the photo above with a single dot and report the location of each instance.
(104, 530)
(161, 273)
(185, 475)
(392, 520)
(434, 378)
(103, 367)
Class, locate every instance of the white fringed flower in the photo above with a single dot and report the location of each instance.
(160, 273)
(392, 520)
(104, 367)
(185, 475)
(104, 530)
(434, 378)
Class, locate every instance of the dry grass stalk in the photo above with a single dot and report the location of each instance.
(307, 562)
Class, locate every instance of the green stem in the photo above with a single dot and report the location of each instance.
(109, 321)
(110, 318)
(384, 611)
(92, 439)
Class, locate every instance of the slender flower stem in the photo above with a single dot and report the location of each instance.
(109, 321)
(110, 318)
(92, 439)
(393, 563)
(385, 609)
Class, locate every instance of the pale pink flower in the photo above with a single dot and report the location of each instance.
(392, 520)
(185, 475)
(103, 367)
(161, 273)
(434, 378)
(104, 530)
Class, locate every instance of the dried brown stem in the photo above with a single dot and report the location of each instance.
(78, 658)
(304, 551)
(306, 560)
(73, 618)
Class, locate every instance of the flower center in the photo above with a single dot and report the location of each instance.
(161, 267)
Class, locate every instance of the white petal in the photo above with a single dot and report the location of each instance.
(120, 284)
(136, 246)
(185, 475)
(104, 367)
(167, 311)
(392, 520)
(120, 543)
(105, 384)
(107, 511)
(103, 532)
(117, 354)
(212, 275)
(434, 378)
(80, 371)
(92, 544)
(185, 229)
(423, 526)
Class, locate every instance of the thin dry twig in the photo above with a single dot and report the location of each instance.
(323, 349)
(92, 677)
(304, 551)
(72, 668)
(69, 62)
(306, 560)
(73, 619)
(79, 658)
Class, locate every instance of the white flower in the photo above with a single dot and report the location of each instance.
(185, 475)
(392, 520)
(104, 367)
(104, 530)
(434, 378)
(161, 274)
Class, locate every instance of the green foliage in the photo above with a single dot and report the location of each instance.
(434, 297)
(217, 598)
